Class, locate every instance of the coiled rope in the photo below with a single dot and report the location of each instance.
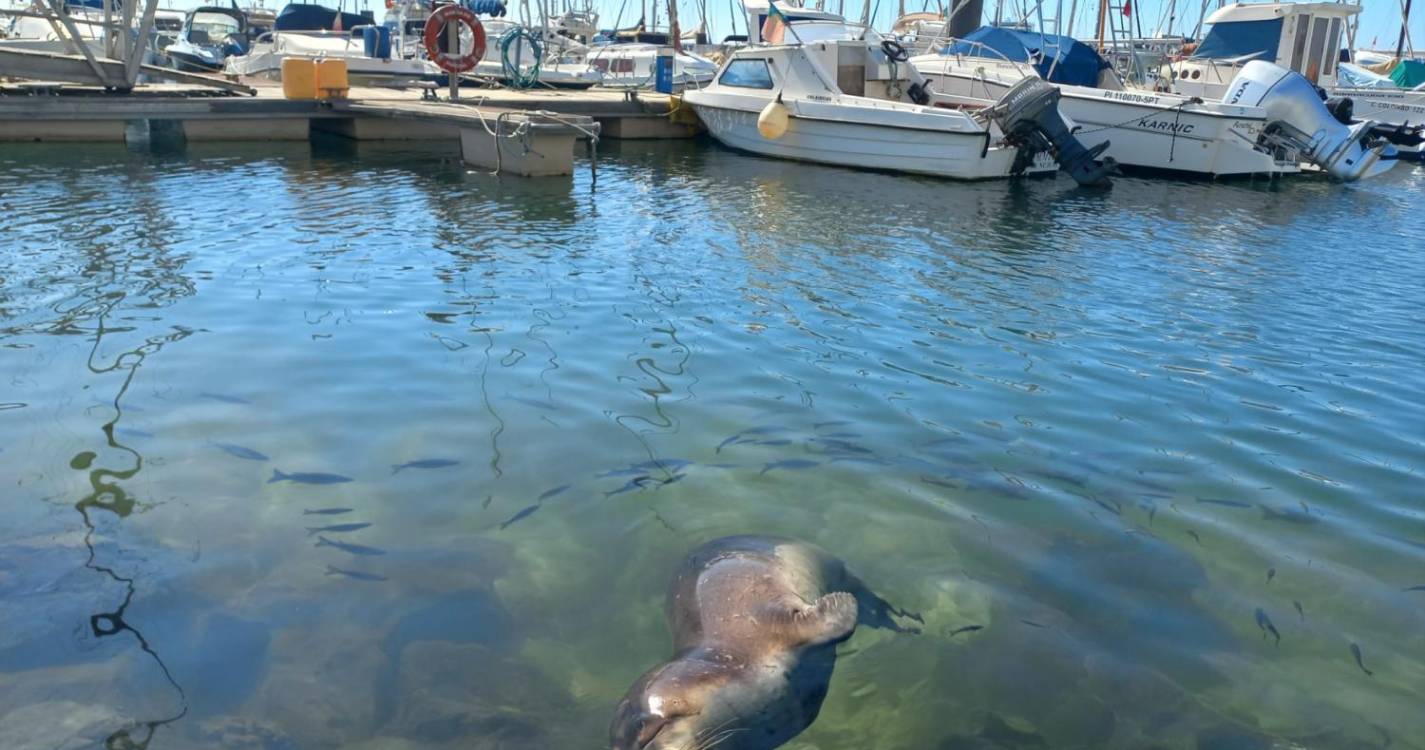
(514, 76)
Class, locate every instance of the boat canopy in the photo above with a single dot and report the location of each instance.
(1408, 74)
(1233, 39)
(1059, 59)
(1356, 77)
(311, 17)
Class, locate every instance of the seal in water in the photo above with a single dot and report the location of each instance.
(755, 624)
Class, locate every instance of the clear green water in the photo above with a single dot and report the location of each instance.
(1092, 425)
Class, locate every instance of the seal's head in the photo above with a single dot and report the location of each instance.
(670, 707)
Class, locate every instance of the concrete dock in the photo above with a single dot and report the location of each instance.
(524, 132)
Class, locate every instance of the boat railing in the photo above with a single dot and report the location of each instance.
(981, 51)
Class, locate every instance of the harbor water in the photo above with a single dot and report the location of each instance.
(337, 446)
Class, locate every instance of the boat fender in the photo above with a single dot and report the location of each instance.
(894, 50)
(435, 34)
(772, 123)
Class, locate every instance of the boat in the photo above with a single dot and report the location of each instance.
(544, 57)
(312, 31)
(780, 100)
(1148, 130)
(632, 65)
(210, 35)
(1301, 37)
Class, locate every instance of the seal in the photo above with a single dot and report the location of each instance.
(755, 622)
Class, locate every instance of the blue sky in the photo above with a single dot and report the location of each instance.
(1379, 21)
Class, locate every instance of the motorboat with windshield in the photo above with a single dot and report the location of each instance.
(210, 35)
(780, 98)
(303, 30)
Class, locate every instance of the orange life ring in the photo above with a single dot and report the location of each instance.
(453, 62)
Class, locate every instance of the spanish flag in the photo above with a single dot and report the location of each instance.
(775, 25)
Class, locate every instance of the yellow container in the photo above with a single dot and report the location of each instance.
(331, 79)
(299, 78)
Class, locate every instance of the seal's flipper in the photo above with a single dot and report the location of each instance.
(830, 618)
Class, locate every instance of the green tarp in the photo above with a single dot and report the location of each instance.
(1408, 74)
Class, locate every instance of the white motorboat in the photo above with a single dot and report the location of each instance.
(210, 35)
(1302, 37)
(782, 101)
(632, 65)
(509, 51)
(1143, 129)
(270, 49)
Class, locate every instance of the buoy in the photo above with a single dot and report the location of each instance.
(772, 123)
(451, 61)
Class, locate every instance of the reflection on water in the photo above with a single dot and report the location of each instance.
(369, 450)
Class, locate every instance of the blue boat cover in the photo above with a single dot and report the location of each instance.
(491, 8)
(1237, 38)
(307, 17)
(1072, 62)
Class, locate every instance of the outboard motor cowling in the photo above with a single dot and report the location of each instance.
(1296, 113)
(1029, 116)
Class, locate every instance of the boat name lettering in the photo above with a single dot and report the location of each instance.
(1124, 96)
(818, 98)
(1181, 128)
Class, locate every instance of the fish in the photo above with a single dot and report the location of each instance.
(1356, 652)
(354, 549)
(225, 398)
(1299, 610)
(536, 403)
(303, 477)
(1194, 535)
(340, 528)
(940, 483)
(790, 463)
(1228, 503)
(131, 432)
(672, 479)
(1416, 588)
(526, 513)
(842, 435)
(1264, 623)
(833, 423)
(633, 484)
(663, 463)
(238, 451)
(727, 442)
(766, 430)
(1271, 573)
(424, 463)
(1153, 511)
(354, 574)
(327, 511)
(1111, 509)
(1287, 515)
(966, 629)
(552, 492)
(1032, 623)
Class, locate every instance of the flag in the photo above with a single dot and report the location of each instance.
(1127, 8)
(774, 26)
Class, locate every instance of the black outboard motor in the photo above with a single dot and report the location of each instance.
(1029, 116)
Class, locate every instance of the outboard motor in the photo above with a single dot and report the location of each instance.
(1296, 114)
(1029, 116)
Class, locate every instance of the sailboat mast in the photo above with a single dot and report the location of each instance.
(673, 29)
(1404, 26)
(1102, 21)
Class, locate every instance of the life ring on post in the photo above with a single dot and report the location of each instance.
(435, 34)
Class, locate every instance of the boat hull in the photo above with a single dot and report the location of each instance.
(955, 155)
(1146, 130)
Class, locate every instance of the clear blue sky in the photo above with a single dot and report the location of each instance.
(1379, 21)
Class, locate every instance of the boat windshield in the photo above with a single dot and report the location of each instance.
(1232, 39)
(212, 27)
